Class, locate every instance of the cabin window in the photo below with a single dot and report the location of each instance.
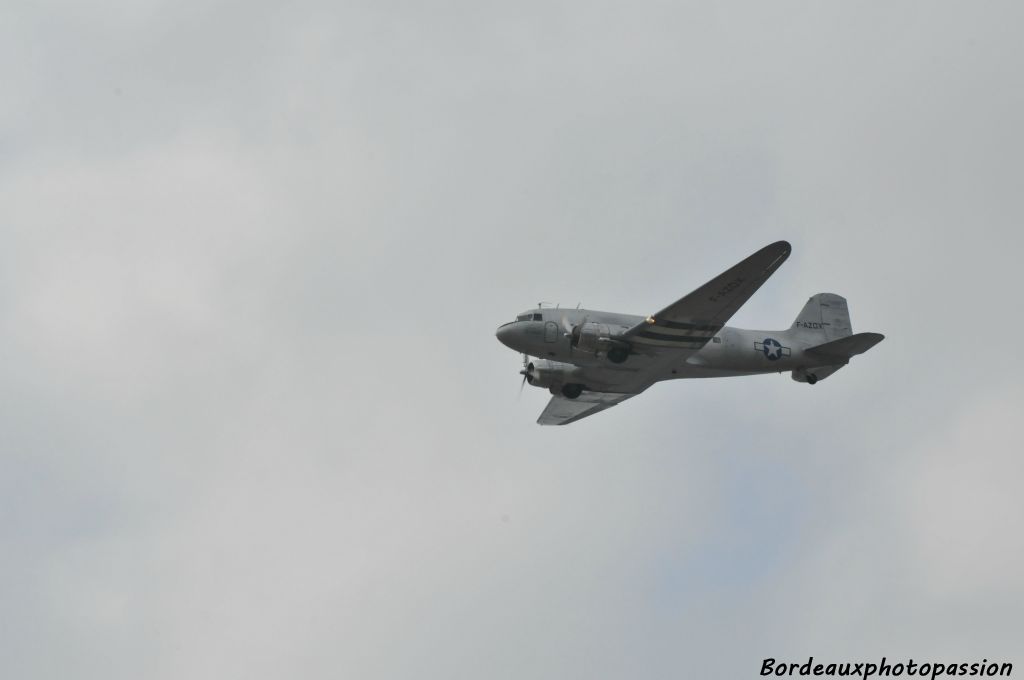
(716, 339)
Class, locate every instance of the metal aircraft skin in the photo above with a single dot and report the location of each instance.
(591, 360)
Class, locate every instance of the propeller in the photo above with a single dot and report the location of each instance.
(525, 373)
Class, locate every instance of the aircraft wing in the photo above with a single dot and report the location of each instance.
(689, 323)
(562, 411)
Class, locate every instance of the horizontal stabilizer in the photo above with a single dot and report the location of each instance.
(839, 351)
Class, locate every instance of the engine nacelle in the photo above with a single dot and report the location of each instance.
(544, 373)
(592, 337)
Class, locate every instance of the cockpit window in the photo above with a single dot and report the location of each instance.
(538, 317)
(523, 317)
(530, 317)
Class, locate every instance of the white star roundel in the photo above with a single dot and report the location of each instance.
(772, 349)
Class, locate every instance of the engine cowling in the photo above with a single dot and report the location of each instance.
(544, 373)
(592, 337)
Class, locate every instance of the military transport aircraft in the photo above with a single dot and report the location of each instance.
(591, 360)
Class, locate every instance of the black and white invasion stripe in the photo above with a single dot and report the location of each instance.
(683, 335)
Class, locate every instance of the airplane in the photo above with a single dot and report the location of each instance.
(591, 360)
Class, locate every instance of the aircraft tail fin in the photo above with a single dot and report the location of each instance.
(825, 316)
(824, 323)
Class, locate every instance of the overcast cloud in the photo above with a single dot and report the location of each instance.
(253, 419)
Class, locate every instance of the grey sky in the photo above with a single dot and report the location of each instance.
(253, 419)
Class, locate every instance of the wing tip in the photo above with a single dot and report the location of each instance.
(778, 252)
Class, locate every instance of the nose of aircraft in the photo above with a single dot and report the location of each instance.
(504, 334)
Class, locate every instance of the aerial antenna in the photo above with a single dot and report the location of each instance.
(578, 305)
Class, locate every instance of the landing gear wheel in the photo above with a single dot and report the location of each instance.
(617, 355)
(811, 378)
(572, 390)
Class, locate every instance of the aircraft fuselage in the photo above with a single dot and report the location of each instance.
(731, 351)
